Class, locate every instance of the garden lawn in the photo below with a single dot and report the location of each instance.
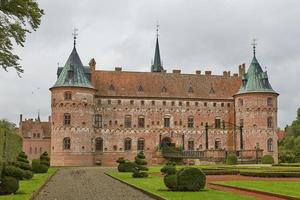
(28, 187)
(155, 185)
(277, 187)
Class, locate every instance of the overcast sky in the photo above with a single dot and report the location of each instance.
(194, 35)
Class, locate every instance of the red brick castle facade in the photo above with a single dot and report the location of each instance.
(98, 115)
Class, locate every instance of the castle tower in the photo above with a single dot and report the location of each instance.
(256, 112)
(157, 65)
(72, 105)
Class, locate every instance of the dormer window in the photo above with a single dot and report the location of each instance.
(191, 89)
(164, 89)
(111, 87)
(68, 96)
(140, 89)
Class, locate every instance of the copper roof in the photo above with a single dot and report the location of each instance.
(167, 85)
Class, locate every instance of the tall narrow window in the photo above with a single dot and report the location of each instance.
(191, 145)
(141, 144)
(141, 121)
(217, 144)
(241, 122)
(217, 123)
(67, 143)
(127, 144)
(99, 144)
(270, 144)
(269, 101)
(190, 122)
(67, 119)
(127, 121)
(167, 122)
(241, 102)
(98, 121)
(68, 96)
(270, 122)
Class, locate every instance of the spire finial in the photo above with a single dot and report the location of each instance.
(254, 45)
(75, 34)
(39, 119)
(157, 29)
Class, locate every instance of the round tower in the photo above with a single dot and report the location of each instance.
(256, 113)
(72, 106)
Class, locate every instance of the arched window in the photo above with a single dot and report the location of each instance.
(167, 122)
(67, 119)
(270, 144)
(99, 144)
(67, 143)
(68, 96)
(141, 121)
(217, 143)
(98, 121)
(270, 122)
(191, 144)
(127, 144)
(141, 144)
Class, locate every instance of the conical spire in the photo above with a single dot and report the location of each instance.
(255, 80)
(157, 66)
(72, 74)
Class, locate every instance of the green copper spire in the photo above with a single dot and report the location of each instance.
(157, 66)
(255, 80)
(72, 74)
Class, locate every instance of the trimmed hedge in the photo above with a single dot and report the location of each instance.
(271, 174)
(287, 165)
(231, 159)
(126, 166)
(37, 167)
(27, 174)
(267, 159)
(13, 171)
(220, 172)
(9, 185)
(139, 170)
(191, 179)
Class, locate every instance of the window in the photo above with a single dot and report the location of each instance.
(228, 104)
(241, 102)
(142, 102)
(241, 122)
(140, 89)
(38, 135)
(196, 103)
(217, 123)
(141, 122)
(180, 103)
(217, 144)
(35, 150)
(115, 147)
(127, 121)
(222, 104)
(164, 103)
(131, 102)
(67, 119)
(167, 122)
(187, 103)
(270, 122)
(34, 135)
(153, 103)
(270, 144)
(99, 144)
(215, 104)
(67, 143)
(141, 144)
(269, 101)
(109, 102)
(98, 121)
(127, 144)
(191, 145)
(190, 122)
(173, 103)
(205, 104)
(68, 96)
(119, 102)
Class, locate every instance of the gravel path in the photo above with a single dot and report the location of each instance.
(87, 184)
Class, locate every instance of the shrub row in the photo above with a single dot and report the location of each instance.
(220, 172)
(271, 174)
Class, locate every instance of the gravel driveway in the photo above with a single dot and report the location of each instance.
(87, 184)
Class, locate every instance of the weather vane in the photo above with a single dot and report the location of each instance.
(75, 34)
(254, 45)
(157, 29)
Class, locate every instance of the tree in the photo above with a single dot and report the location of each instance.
(15, 17)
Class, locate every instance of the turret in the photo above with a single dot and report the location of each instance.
(157, 65)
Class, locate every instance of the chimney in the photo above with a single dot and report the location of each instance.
(92, 65)
(235, 75)
(207, 72)
(49, 118)
(225, 73)
(228, 73)
(198, 71)
(118, 69)
(176, 71)
(242, 69)
(21, 118)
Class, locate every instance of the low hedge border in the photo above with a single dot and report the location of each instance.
(287, 165)
(220, 172)
(272, 174)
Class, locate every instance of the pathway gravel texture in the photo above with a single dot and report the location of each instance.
(87, 184)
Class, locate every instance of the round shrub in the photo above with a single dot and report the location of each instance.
(37, 167)
(267, 159)
(190, 179)
(168, 169)
(9, 185)
(171, 181)
(126, 166)
(27, 174)
(231, 159)
(13, 171)
(121, 160)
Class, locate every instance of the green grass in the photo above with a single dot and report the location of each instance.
(155, 185)
(276, 187)
(28, 187)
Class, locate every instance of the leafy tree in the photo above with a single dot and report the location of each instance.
(4, 124)
(15, 17)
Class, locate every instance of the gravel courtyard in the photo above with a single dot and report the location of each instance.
(87, 184)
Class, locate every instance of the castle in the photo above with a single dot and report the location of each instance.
(99, 116)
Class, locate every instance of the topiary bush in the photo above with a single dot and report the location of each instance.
(23, 163)
(139, 170)
(9, 185)
(27, 174)
(37, 167)
(267, 159)
(125, 165)
(191, 179)
(45, 160)
(169, 168)
(231, 159)
(13, 171)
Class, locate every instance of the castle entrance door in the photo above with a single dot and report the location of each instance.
(167, 142)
